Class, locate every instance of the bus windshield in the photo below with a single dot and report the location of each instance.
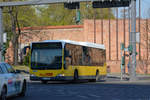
(46, 56)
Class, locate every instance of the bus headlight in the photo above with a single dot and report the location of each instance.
(60, 75)
(32, 75)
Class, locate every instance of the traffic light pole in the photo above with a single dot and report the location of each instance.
(1, 34)
(133, 41)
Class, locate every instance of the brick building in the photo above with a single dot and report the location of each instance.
(91, 32)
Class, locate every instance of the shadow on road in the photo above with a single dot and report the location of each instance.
(86, 91)
(66, 82)
(111, 89)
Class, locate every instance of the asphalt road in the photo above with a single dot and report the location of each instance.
(109, 90)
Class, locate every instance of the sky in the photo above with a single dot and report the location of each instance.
(145, 9)
(145, 6)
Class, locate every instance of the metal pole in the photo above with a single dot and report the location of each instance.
(147, 39)
(140, 29)
(129, 22)
(121, 68)
(1, 34)
(109, 36)
(129, 27)
(133, 40)
(124, 25)
(94, 27)
(117, 33)
(102, 25)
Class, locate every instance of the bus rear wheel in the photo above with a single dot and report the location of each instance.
(96, 77)
(76, 77)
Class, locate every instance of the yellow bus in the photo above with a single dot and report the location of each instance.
(67, 60)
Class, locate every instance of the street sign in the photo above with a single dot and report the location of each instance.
(138, 37)
(4, 37)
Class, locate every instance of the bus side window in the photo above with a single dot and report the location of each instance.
(67, 62)
(85, 56)
(67, 53)
(68, 58)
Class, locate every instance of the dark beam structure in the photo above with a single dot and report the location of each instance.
(110, 4)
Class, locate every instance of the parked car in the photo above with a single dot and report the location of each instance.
(12, 83)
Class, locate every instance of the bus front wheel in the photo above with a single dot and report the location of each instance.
(44, 82)
(96, 77)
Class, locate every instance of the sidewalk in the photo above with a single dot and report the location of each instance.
(116, 77)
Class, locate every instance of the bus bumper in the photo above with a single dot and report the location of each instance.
(57, 78)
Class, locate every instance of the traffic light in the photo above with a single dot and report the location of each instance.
(73, 5)
(122, 46)
(78, 14)
(130, 48)
(136, 53)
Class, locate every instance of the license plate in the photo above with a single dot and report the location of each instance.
(46, 78)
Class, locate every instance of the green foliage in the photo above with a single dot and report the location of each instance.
(89, 13)
(56, 14)
(26, 16)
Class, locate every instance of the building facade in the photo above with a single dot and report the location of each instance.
(111, 33)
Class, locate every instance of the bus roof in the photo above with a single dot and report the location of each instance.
(88, 44)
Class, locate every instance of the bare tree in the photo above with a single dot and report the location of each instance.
(15, 24)
(145, 43)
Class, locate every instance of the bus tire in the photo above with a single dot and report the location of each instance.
(23, 91)
(3, 95)
(97, 76)
(76, 76)
(44, 82)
